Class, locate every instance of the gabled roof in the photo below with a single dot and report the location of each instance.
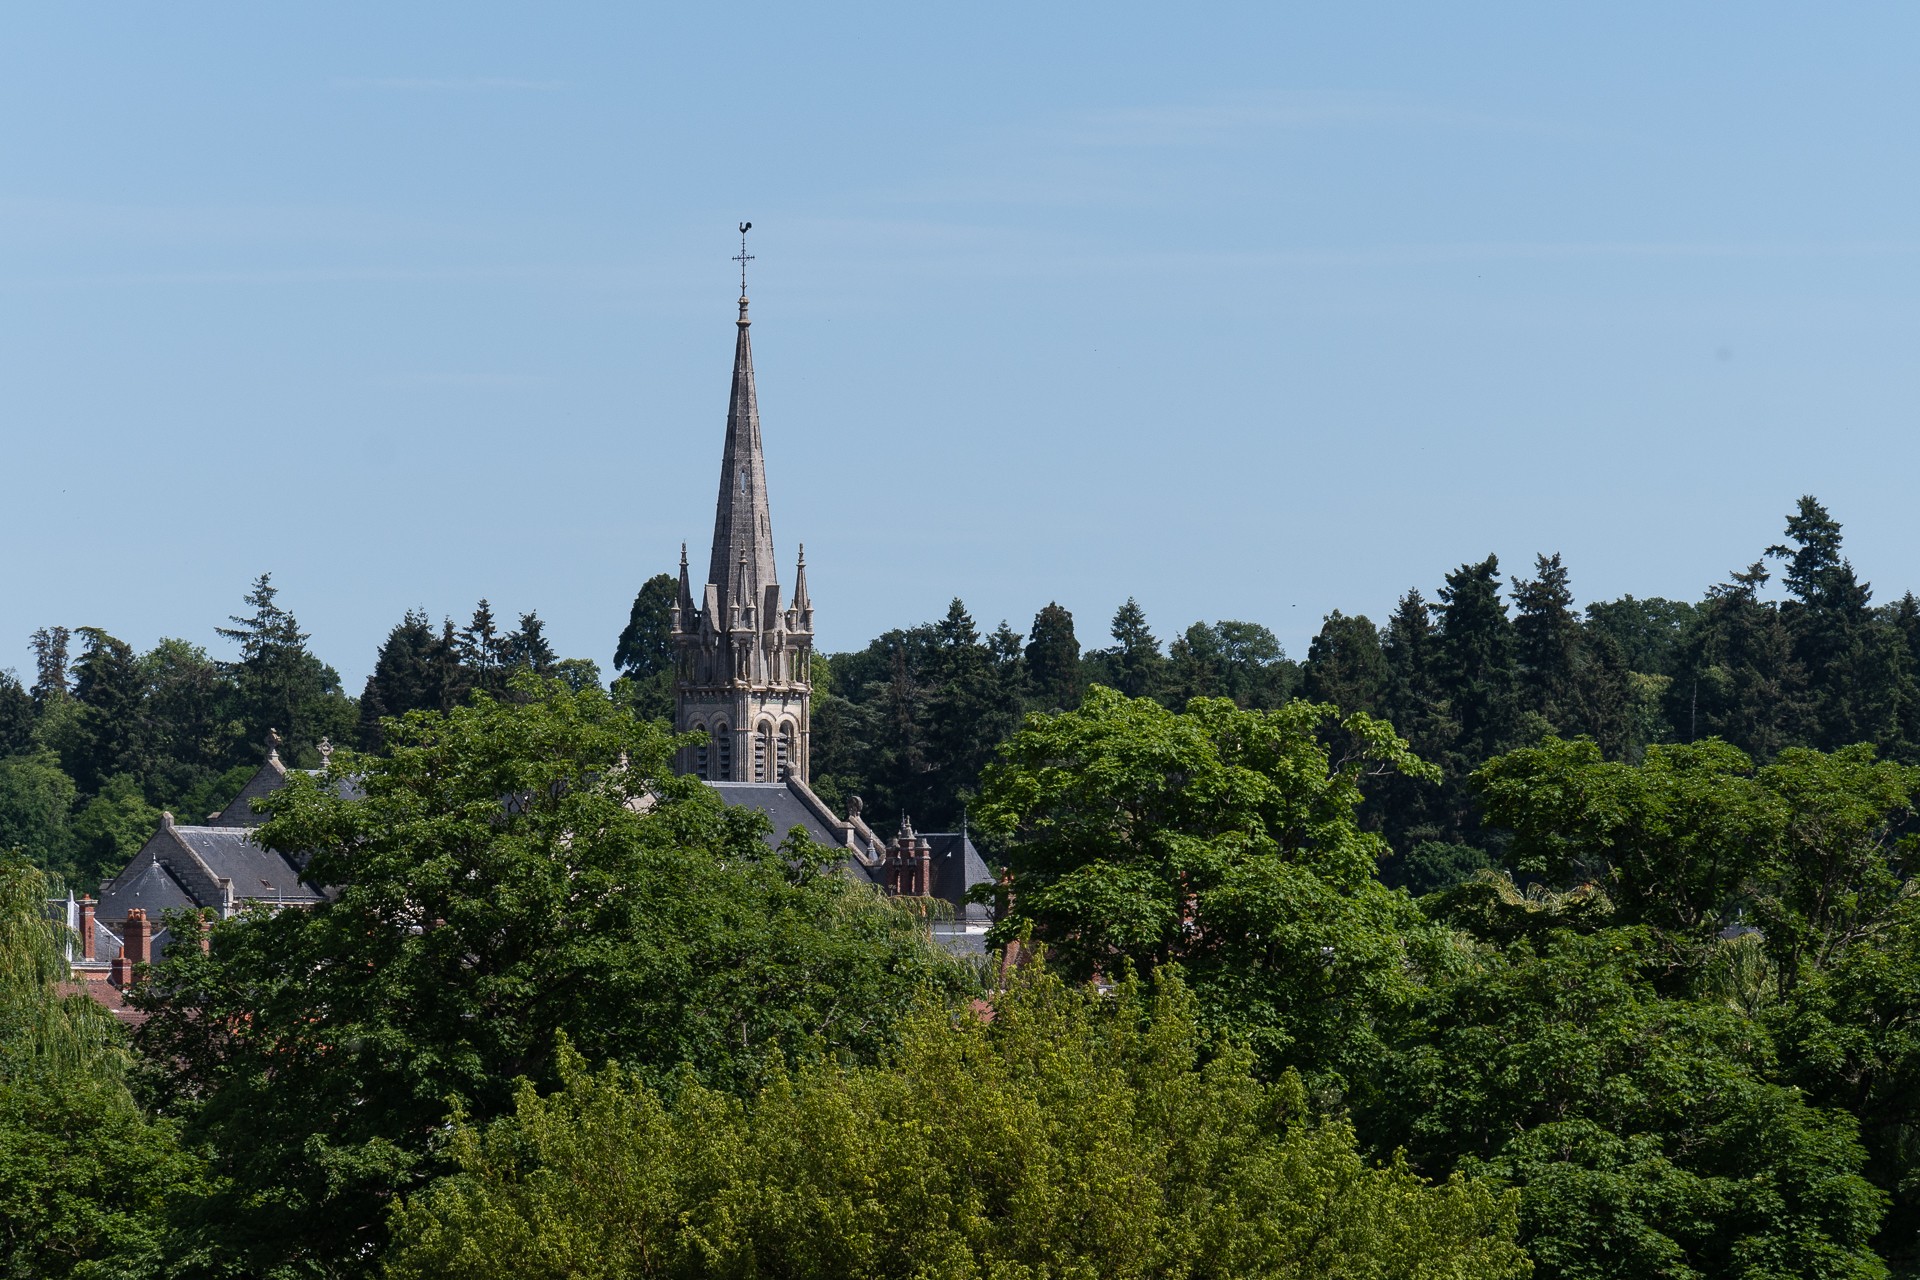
(267, 779)
(223, 868)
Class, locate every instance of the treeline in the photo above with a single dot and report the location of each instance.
(104, 737)
(1488, 664)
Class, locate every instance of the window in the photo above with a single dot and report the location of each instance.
(700, 755)
(723, 742)
(786, 752)
(762, 748)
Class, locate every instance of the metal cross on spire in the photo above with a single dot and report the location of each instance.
(743, 257)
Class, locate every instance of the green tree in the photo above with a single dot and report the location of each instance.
(1650, 632)
(645, 649)
(83, 1175)
(1053, 660)
(416, 670)
(190, 704)
(109, 829)
(527, 647)
(109, 735)
(1475, 665)
(516, 869)
(16, 715)
(1346, 665)
(1642, 1132)
(1220, 839)
(1134, 665)
(1738, 677)
(36, 798)
(281, 685)
(1068, 1135)
(1241, 661)
(1547, 644)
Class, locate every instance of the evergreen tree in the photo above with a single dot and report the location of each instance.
(16, 715)
(281, 685)
(1854, 655)
(1475, 666)
(483, 650)
(1547, 643)
(1346, 665)
(646, 645)
(107, 737)
(416, 670)
(1053, 660)
(1134, 663)
(1739, 678)
(50, 664)
(527, 646)
(966, 716)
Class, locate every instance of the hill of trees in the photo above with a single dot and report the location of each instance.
(1499, 940)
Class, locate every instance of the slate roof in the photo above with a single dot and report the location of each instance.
(957, 865)
(221, 868)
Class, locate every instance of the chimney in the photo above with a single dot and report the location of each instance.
(139, 944)
(86, 929)
(924, 871)
(205, 923)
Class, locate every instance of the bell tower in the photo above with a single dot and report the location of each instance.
(742, 662)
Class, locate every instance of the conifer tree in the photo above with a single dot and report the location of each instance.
(1053, 660)
(281, 685)
(645, 649)
(1476, 658)
(50, 664)
(416, 670)
(1547, 643)
(107, 737)
(1135, 663)
(527, 646)
(1346, 665)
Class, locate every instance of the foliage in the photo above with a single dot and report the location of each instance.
(1220, 839)
(1642, 1132)
(517, 868)
(1063, 1135)
(83, 1176)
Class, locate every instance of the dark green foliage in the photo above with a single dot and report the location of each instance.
(1134, 665)
(191, 733)
(108, 735)
(1650, 632)
(645, 649)
(468, 932)
(1240, 661)
(1433, 865)
(36, 798)
(417, 670)
(1053, 660)
(1643, 1132)
(50, 664)
(16, 715)
(280, 686)
(526, 647)
(1475, 659)
(1346, 665)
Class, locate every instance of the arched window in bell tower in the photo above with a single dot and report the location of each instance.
(762, 752)
(785, 749)
(723, 753)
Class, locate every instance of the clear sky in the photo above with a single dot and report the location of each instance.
(1249, 311)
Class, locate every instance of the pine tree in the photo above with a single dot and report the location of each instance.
(1739, 678)
(483, 650)
(1053, 660)
(966, 715)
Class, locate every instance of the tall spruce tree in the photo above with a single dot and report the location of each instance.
(1547, 644)
(1739, 677)
(526, 646)
(1053, 660)
(416, 670)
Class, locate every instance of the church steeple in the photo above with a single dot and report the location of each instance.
(742, 662)
(742, 523)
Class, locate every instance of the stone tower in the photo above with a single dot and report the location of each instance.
(742, 662)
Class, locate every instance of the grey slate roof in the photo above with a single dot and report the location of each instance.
(221, 868)
(957, 865)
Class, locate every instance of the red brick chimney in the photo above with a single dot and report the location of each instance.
(86, 929)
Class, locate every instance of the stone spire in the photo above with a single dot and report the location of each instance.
(742, 524)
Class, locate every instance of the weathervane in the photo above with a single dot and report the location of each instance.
(744, 257)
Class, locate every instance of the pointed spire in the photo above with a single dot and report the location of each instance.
(743, 524)
(683, 602)
(801, 601)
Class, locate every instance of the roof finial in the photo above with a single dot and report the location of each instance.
(273, 746)
(743, 258)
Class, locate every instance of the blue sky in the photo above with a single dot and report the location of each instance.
(1249, 312)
